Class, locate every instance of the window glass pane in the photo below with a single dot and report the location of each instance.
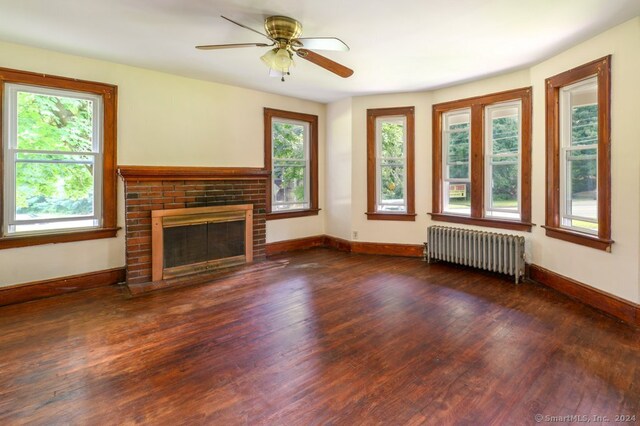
(54, 123)
(584, 125)
(288, 185)
(457, 197)
(457, 138)
(504, 191)
(288, 140)
(505, 133)
(392, 188)
(392, 133)
(53, 190)
(582, 182)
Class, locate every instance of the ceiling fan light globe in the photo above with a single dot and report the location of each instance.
(269, 58)
(282, 59)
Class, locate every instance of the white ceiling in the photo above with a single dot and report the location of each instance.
(396, 46)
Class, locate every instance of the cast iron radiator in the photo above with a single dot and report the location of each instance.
(485, 250)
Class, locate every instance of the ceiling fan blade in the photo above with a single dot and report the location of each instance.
(231, 46)
(323, 43)
(325, 63)
(247, 28)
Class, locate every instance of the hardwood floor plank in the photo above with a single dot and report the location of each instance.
(328, 338)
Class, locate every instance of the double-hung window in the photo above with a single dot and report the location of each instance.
(503, 144)
(482, 160)
(291, 155)
(578, 158)
(390, 164)
(58, 158)
(456, 182)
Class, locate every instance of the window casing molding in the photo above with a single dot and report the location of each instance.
(311, 161)
(556, 88)
(375, 207)
(478, 153)
(105, 190)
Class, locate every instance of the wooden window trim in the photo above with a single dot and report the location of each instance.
(477, 105)
(602, 69)
(312, 120)
(372, 115)
(109, 95)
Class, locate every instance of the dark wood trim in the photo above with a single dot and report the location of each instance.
(387, 249)
(476, 105)
(490, 223)
(337, 243)
(290, 214)
(406, 217)
(372, 115)
(625, 310)
(269, 114)
(109, 94)
(56, 286)
(293, 245)
(61, 237)
(146, 173)
(602, 69)
(579, 238)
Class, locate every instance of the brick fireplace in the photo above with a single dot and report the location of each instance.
(159, 188)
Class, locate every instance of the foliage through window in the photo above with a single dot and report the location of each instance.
(390, 172)
(290, 165)
(482, 164)
(54, 156)
(291, 154)
(578, 155)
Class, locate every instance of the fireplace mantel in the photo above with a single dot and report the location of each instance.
(145, 173)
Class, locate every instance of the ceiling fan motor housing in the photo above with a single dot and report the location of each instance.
(282, 28)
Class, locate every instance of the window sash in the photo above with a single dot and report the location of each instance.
(567, 148)
(11, 153)
(447, 119)
(396, 205)
(291, 162)
(490, 210)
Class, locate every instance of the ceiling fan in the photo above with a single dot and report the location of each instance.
(284, 34)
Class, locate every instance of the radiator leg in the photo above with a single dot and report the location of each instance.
(425, 253)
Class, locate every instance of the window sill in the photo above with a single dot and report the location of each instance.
(405, 217)
(293, 213)
(61, 237)
(490, 223)
(592, 241)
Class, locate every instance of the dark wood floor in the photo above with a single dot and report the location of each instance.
(329, 338)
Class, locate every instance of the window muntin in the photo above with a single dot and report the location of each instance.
(53, 156)
(578, 105)
(456, 185)
(391, 164)
(503, 144)
(290, 165)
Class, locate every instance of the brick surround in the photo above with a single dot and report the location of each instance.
(144, 195)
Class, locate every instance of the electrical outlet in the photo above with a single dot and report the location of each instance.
(355, 235)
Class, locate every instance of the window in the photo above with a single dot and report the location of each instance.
(291, 154)
(390, 164)
(58, 157)
(578, 155)
(482, 160)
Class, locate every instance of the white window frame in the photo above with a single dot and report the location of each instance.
(446, 180)
(11, 152)
(279, 206)
(566, 217)
(391, 206)
(489, 210)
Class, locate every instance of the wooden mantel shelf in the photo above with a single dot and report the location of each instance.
(190, 173)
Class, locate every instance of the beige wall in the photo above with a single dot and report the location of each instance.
(616, 272)
(162, 120)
